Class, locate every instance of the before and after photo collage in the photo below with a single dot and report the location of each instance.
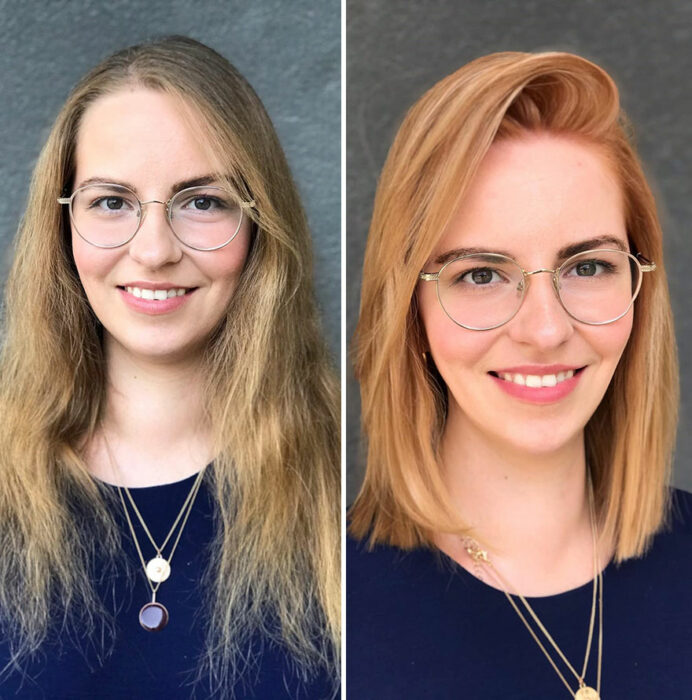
(344, 350)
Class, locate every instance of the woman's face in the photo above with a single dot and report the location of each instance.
(532, 198)
(138, 138)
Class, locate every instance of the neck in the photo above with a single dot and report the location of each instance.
(530, 511)
(154, 422)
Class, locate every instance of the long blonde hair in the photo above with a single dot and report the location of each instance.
(433, 160)
(271, 394)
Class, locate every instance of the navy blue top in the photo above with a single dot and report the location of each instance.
(156, 664)
(421, 626)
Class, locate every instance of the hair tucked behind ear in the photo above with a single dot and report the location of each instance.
(271, 393)
(430, 167)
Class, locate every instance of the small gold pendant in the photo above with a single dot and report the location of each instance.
(586, 693)
(158, 569)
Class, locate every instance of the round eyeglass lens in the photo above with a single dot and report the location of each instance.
(599, 286)
(205, 218)
(481, 291)
(105, 215)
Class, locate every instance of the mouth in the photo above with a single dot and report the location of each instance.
(157, 294)
(538, 381)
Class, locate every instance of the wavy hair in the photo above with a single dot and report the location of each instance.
(271, 393)
(431, 164)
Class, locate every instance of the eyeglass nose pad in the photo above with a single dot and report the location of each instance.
(556, 284)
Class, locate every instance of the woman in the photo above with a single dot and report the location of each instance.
(519, 403)
(175, 328)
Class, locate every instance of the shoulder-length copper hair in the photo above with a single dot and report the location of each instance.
(433, 160)
(271, 393)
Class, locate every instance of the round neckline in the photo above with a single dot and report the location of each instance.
(142, 489)
(456, 568)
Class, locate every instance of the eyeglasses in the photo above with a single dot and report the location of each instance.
(202, 218)
(483, 291)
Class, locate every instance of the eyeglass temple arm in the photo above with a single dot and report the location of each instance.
(429, 276)
(646, 264)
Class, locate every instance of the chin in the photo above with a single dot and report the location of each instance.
(540, 441)
(162, 350)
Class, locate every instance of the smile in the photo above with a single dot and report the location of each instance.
(155, 301)
(543, 388)
(156, 294)
(537, 381)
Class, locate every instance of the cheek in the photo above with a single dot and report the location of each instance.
(453, 348)
(223, 267)
(92, 263)
(610, 341)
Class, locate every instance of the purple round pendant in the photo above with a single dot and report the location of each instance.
(153, 617)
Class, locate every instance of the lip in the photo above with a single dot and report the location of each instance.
(539, 395)
(153, 307)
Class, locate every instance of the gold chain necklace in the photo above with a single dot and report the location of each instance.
(154, 616)
(583, 692)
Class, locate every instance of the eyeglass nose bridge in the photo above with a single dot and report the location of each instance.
(530, 273)
(536, 272)
(166, 204)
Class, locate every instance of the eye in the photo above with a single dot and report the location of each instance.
(480, 276)
(203, 203)
(111, 204)
(590, 268)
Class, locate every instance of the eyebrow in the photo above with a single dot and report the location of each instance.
(562, 254)
(176, 187)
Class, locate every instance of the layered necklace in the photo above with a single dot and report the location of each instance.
(583, 691)
(154, 616)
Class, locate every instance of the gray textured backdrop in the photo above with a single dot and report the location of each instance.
(290, 52)
(396, 50)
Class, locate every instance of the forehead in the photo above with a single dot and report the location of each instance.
(142, 136)
(537, 194)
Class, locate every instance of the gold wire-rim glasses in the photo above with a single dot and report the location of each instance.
(642, 263)
(169, 215)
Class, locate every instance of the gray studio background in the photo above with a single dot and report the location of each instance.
(289, 51)
(396, 50)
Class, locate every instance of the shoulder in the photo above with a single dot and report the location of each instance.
(383, 577)
(672, 546)
(680, 520)
(365, 561)
(667, 563)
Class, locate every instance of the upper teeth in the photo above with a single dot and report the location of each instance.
(537, 380)
(158, 294)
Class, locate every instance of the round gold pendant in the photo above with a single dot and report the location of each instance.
(158, 569)
(587, 693)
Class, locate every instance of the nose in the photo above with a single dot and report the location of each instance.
(154, 244)
(541, 321)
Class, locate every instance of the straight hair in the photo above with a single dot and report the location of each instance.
(430, 167)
